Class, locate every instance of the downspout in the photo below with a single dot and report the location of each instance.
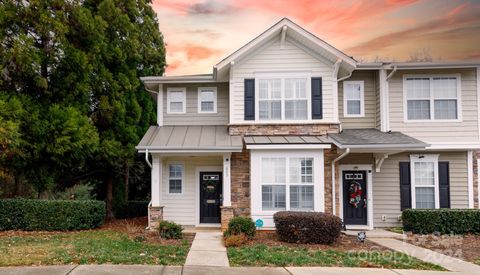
(347, 151)
(150, 203)
(338, 80)
(387, 99)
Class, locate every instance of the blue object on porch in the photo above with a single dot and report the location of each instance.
(259, 223)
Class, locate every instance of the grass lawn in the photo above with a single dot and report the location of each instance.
(262, 255)
(89, 247)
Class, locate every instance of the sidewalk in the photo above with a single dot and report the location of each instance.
(207, 250)
(201, 270)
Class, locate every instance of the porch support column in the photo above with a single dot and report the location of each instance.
(156, 179)
(227, 197)
(155, 210)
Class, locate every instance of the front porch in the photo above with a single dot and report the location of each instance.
(190, 174)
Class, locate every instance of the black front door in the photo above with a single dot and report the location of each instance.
(355, 197)
(210, 196)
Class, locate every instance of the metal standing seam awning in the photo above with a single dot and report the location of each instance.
(189, 139)
(287, 142)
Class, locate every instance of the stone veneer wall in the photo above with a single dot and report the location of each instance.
(156, 216)
(329, 156)
(240, 162)
(272, 130)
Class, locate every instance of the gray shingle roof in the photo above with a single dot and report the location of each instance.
(371, 138)
(286, 140)
(189, 138)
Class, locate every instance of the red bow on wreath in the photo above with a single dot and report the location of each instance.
(355, 193)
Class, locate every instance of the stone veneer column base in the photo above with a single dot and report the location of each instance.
(226, 216)
(155, 216)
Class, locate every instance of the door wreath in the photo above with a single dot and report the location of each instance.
(356, 193)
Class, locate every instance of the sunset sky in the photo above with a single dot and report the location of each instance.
(199, 34)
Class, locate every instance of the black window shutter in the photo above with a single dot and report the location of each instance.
(405, 186)
(249, 97)
(317, 98)
(444, 184)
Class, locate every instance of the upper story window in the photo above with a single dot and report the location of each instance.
(176, 100)
(353, 99)
(432, 98)
(207, 100)
(283, 97)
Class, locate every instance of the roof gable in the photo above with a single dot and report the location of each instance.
(281, 29)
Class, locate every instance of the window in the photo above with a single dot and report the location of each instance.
(353, 99)
(432, 98)
(424, 170)
(282, 176)
(175, 178)
(176, 98)
(207, 100)
(283, 98)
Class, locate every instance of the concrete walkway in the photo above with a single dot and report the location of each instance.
(201, 270)
(427, 255)
(207, 250)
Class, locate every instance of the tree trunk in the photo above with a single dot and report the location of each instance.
(18, 186)
(126, 168)
(109, 197)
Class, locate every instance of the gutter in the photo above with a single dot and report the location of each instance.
(347, 151)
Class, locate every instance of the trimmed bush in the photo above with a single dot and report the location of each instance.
(131, 209)
(170, 230)
(444, 221)
(307, 227)
(50, 215)
(235, 240)
(241, 225)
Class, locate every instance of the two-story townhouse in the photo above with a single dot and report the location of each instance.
(288, 122)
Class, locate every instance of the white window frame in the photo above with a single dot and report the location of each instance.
(424, 158)
(432, 104)
(200, 90)
(282, 76)
(256, 178)
(184, 105)
(167, 172)
(362, 98)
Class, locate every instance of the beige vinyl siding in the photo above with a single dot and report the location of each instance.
(386, 183)
(368, 120)
(377, 101)
(272, 58)
(192, 117)
(181, 208)
(437, 132)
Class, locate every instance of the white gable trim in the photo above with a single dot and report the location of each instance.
(276, 30)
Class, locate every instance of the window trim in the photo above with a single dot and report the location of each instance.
(199, 100)
(177, 89)
(167, 172)
(432, 105)
(282, 76)
(256, 178)
(362, 98)
(425, 158)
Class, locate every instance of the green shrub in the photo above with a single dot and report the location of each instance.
(170, 230)
(241, 225)
(131, 209)
(50, 215)
(444, 221)
(307, 227)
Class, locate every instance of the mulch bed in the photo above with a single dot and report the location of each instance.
(344, 243)
(134, 228)
(465, 247)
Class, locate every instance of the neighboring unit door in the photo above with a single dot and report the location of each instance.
(355, 197)
(210, 196)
